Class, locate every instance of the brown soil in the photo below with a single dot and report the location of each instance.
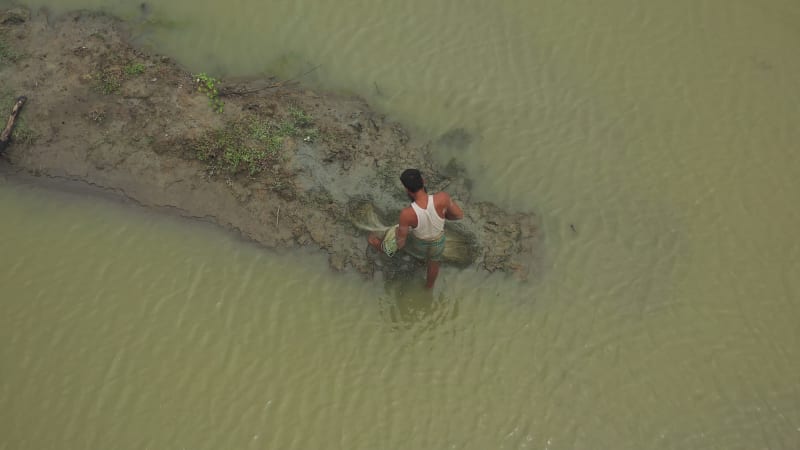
(108, 114)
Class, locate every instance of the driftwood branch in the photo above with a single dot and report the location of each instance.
(5, 136)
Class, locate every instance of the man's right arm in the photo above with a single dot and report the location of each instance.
(407, 219)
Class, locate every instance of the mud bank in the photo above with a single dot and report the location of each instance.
(280, 164)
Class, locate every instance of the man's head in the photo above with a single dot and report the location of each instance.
(412, 180)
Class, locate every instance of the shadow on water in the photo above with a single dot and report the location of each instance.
(408, 305)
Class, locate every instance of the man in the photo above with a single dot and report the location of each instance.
(421, 226)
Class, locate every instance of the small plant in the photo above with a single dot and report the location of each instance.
(261, 130)
(134, 69)
(109, 81)
(300, 118)
(288, 129)
(265, 133)
(208, 86)
(97, 116)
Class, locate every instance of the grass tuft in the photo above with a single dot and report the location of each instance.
(247, 146)
(300, 118)
(109, 80)
(134, 69)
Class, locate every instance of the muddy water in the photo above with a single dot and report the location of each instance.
(657, 143)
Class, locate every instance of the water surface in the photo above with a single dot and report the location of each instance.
(664, 133)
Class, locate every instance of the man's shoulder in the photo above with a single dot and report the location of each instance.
(441, 198)
(407, 215)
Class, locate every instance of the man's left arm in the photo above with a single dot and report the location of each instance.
(453, 211)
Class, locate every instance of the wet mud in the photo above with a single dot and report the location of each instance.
(283, 165)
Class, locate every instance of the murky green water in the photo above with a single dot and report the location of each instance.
(666, 133)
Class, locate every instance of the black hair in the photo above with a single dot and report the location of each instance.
(412, 180)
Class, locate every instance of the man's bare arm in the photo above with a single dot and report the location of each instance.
(407, 219)
(453, 211)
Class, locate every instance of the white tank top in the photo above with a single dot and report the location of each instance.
(429, 224)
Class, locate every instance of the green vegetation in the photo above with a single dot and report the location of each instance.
(241, 146)
(300, 118)
(7, 54)
(23, 134)
(134, 69)
(300, 124)
(288, 129)
(310, 135)
(109, 81)
(251, 145)
(208, 86)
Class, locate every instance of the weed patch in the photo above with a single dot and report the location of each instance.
(288, 129)
(300, 125)
(208, 86)
(134, 69)
(109, 81)
(247, 146)
(300, 118)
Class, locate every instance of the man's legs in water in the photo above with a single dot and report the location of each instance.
(433, 272)
(375, 241)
